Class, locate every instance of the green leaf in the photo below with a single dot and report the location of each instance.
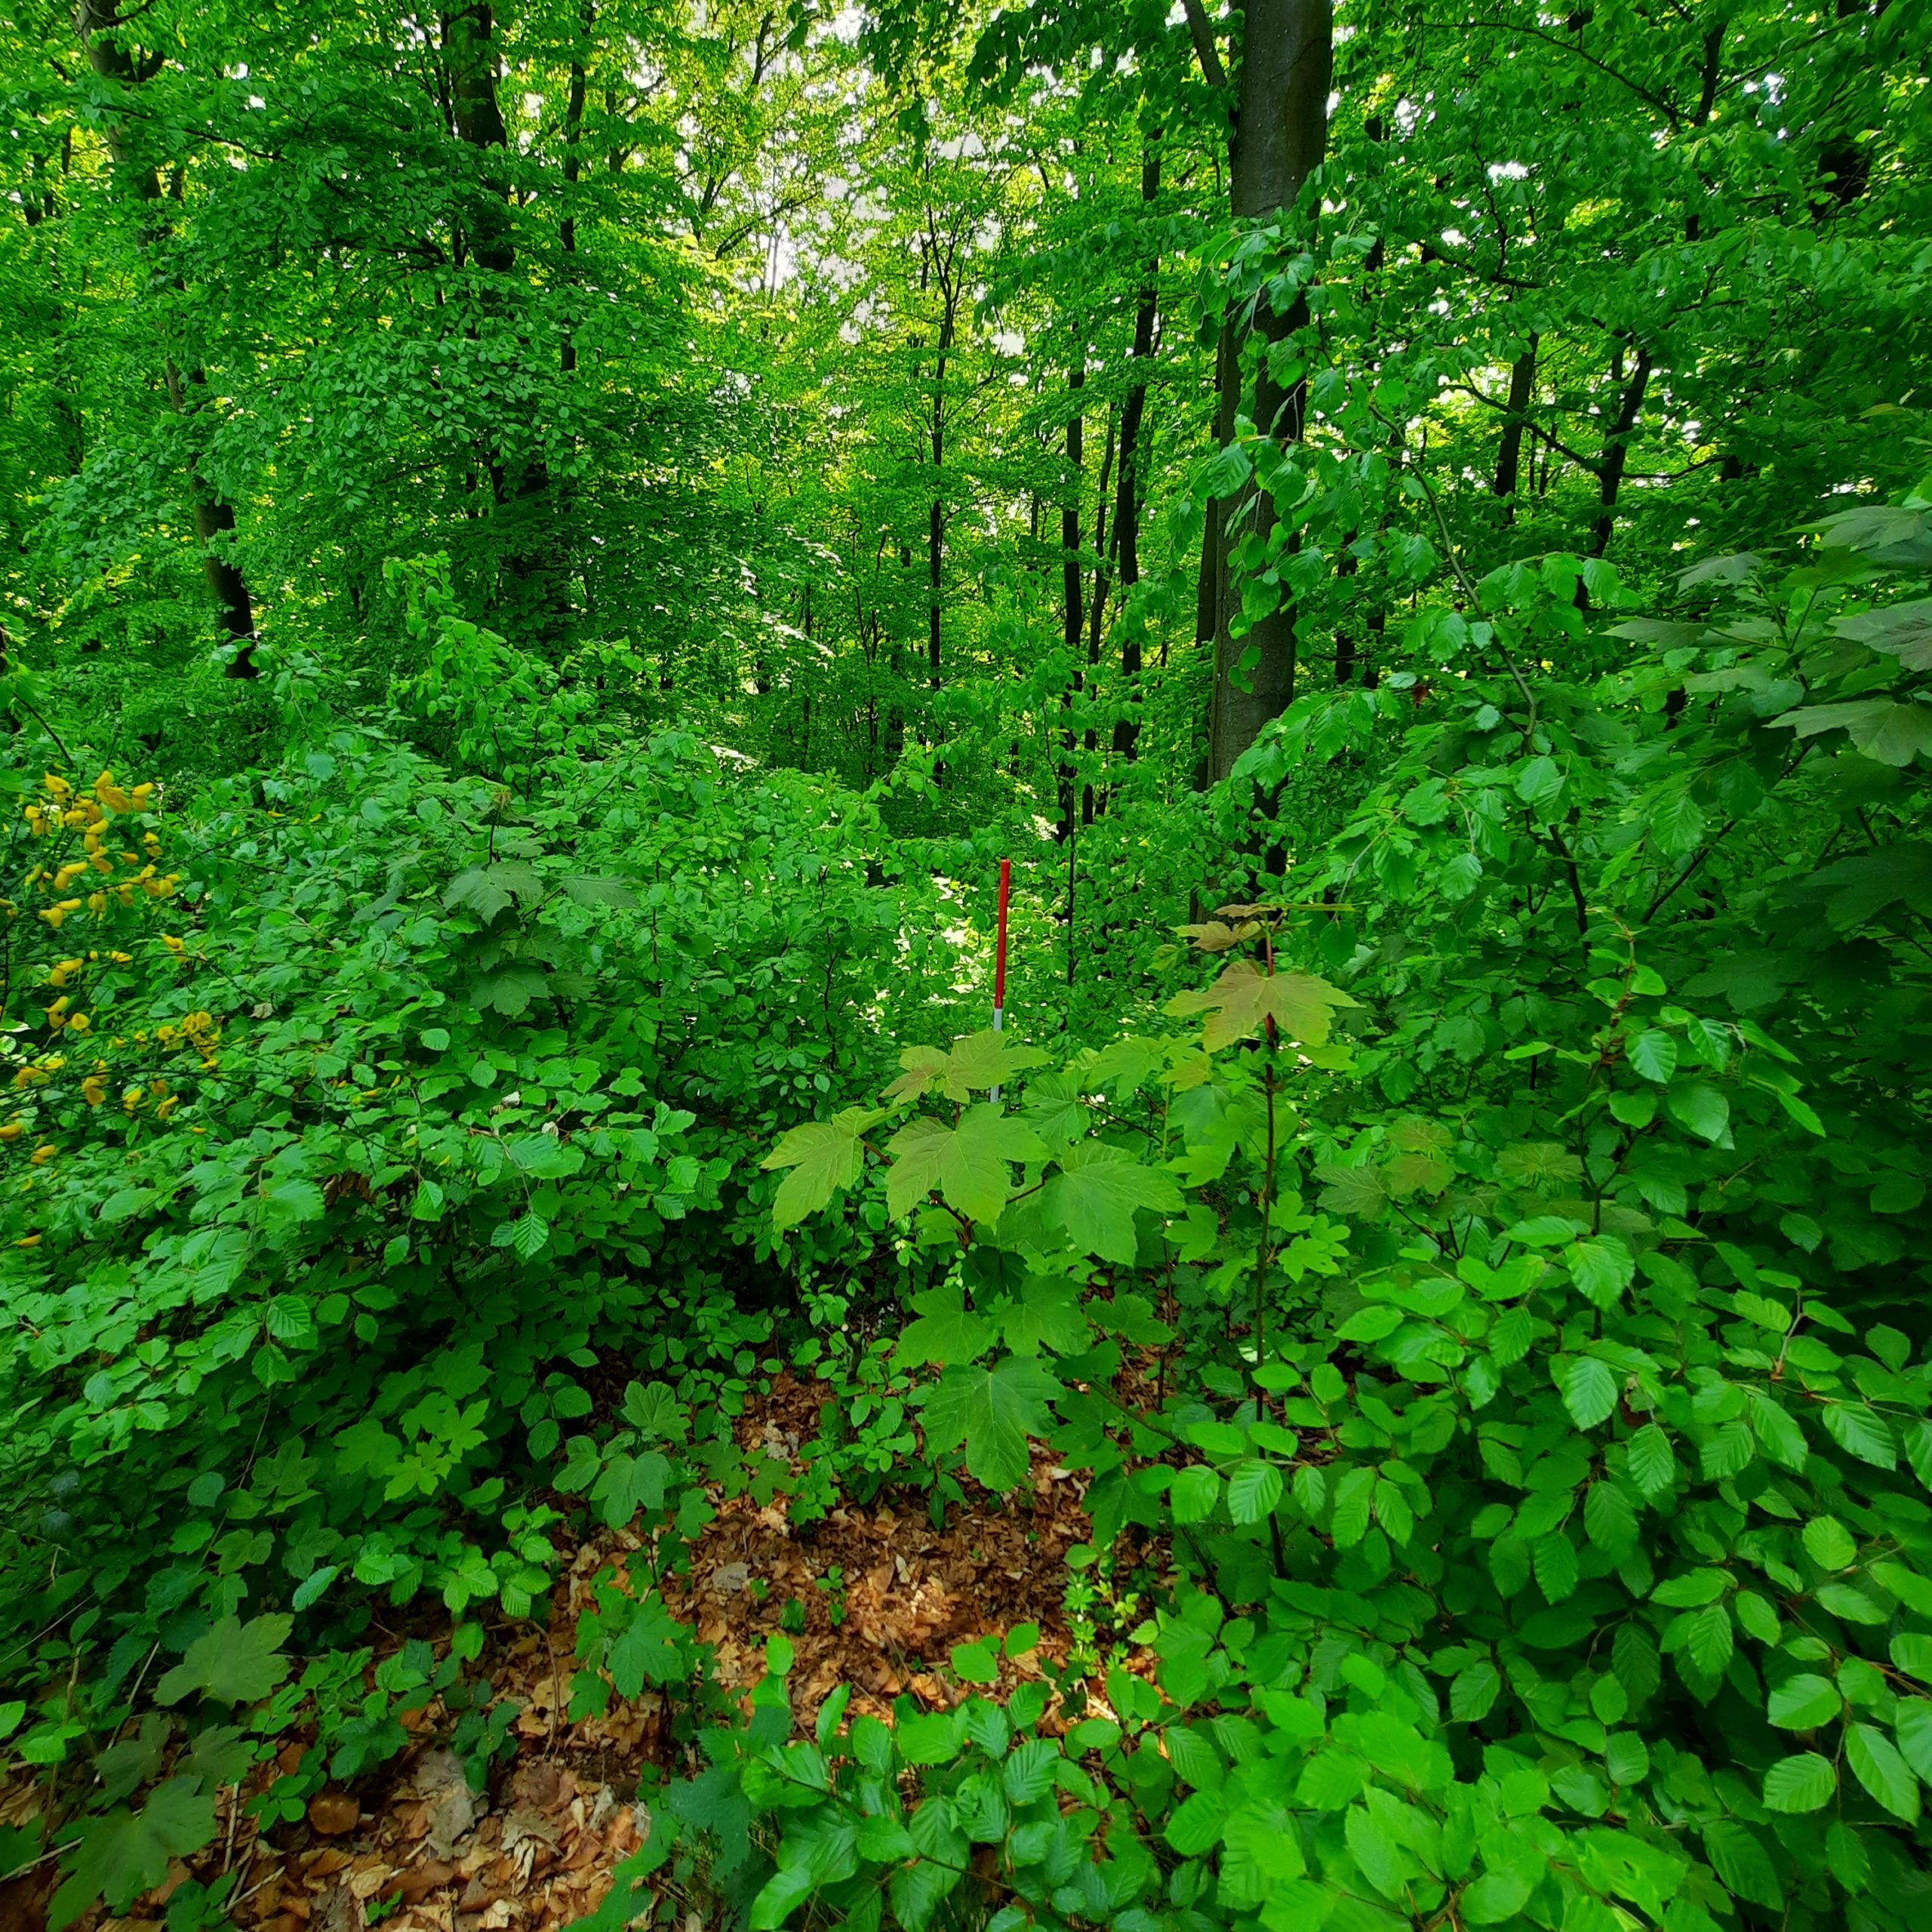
(1802, 1783)
(1739, 1859)
(1494, 1897)
(1602, 1268)
(125, 1853)
(1046, 1314)
(1829, 1543)
(969, 1165)
(1677, 824)
(1589, 1391)
(599, 889)
(1195, 1826)
(1859, 1432)
(1778, 1434)
(1891, 734)
(824, 1155)
(1804, 1703)
(1701, 1109)
(233, 1663)
(987, 1060)
(1254, 1489)
(991, 1412)
(1912, 1726)
(1197, 1489)
(1243, 1000)
(946, 1332)
(1903, 631)
(1654, 1054)
(1875, 1763)
(1708, 1640)
(1609, 1520)
(975, 1663)
(1473, 1693)
(1652, 1463)
(1097, 1191)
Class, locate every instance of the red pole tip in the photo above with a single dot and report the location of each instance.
(999, 957)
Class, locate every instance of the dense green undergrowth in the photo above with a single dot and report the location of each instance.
(1521, 1206)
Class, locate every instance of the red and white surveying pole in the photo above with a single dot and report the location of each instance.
(999, 955)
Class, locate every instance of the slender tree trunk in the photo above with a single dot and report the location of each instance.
(1509, 457)
(98, 20)
(1127, 497)
(537, 579)
(1091, 802)
(572, 164)
(1073, 588)
(1616, 454)
(1281, 132)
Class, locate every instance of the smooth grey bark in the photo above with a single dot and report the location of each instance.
(1280, 133)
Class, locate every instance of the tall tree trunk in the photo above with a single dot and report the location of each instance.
(1615, 453)
(1096, 615)
(1509, 456)
(573, 162)
(1126, 494)
(1073, 587)
(520, 486)
(1281, 131)
(98, 21)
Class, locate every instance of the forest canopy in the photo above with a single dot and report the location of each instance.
(966, 966)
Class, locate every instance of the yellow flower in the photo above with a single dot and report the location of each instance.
(132, 1097)
(168, 1106)
(172, 944)
(68, 873)
(43, 1154)
(54, 914)
(62, 970)
(143, 796)
(93, 1090)
(79, 1023)
(28, 1240)
(57, 787)
(121, 959)
(13, 1130)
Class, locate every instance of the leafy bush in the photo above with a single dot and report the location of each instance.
(1550, 1499)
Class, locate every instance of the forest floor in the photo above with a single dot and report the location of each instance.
(414, 1850)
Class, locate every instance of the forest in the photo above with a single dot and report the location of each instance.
(966, 966)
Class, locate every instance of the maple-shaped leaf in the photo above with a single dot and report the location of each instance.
(824, 1155)
(1240, 1003)
(993, 1412)
(1215, 935)
(923, 1066)
(986, 1060)
(1903, 631)
(234, 1663)
(125, 1853)
(1045, 1314)
(1055, 1108)
(1095, 1194)
(947, 1332)
(1123, 1068)
(968, 1164)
